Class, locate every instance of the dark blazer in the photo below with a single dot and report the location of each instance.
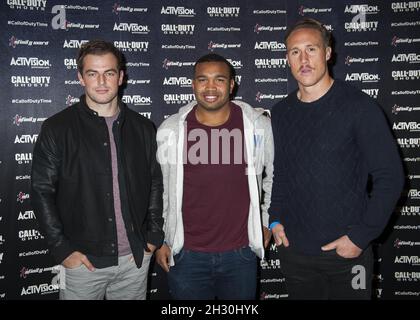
(72, 190)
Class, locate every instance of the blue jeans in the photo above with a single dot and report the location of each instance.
(205, 276)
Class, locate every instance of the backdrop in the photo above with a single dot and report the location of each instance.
(377, 50)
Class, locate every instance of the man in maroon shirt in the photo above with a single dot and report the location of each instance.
(213, 230)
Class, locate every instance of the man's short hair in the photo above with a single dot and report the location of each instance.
(98, 47)
(214, 57)
(309, 23)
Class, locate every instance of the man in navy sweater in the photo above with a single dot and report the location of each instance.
(330, 138)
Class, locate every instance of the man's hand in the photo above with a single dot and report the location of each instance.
(151, 247)
(162, 257)
(267, 236)
(280, 235)
(344, 248)
(76, 259)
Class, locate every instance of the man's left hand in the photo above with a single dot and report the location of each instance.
(267, 236)
(344, 248)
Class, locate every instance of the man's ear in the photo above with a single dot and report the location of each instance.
(80, 77)
(328, 51)
(121, 77)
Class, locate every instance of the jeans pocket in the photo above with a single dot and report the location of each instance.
(178, 257)
(246, 254)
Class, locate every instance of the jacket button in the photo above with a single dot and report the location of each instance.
(105, 144)
(112, 245)
(110, 219)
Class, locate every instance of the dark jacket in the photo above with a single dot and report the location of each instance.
(72, 191)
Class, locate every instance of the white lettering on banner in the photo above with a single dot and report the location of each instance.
(147, 115)
(223, 11)
(270, 45)
(177, 81)
(27, 4)
(44, 288)
(26, 215)
(22, 158)
(133, 28)
(406, 57)
(178, 28)
(30, 81)
(74, 44)
(26, 138)
(178, 11)
(410, 126)
(406, 6)
(361, 8)
(363, 77)
(30, 234)
(32, 62)
(405, 74)
(137, 100)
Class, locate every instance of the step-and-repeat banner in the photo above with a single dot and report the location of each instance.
(377, 45)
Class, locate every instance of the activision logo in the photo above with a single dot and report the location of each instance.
(361, 8)
(26, 215)
(364, 77)
(74, 44)
(406, 57)
(26, 138)
(32, 62)
(133, 28)
(410, 126)
(180, 12)
(177, 81)
(270, 45)
(44, 288)
(412, 260)
(137, 100)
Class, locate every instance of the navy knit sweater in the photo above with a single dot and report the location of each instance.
(324, 152)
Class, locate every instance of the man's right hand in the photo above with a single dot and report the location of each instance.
(279, 235)
(76, 259)
(162, 257)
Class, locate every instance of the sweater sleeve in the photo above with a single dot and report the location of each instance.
(380, 153)
(276, 198)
